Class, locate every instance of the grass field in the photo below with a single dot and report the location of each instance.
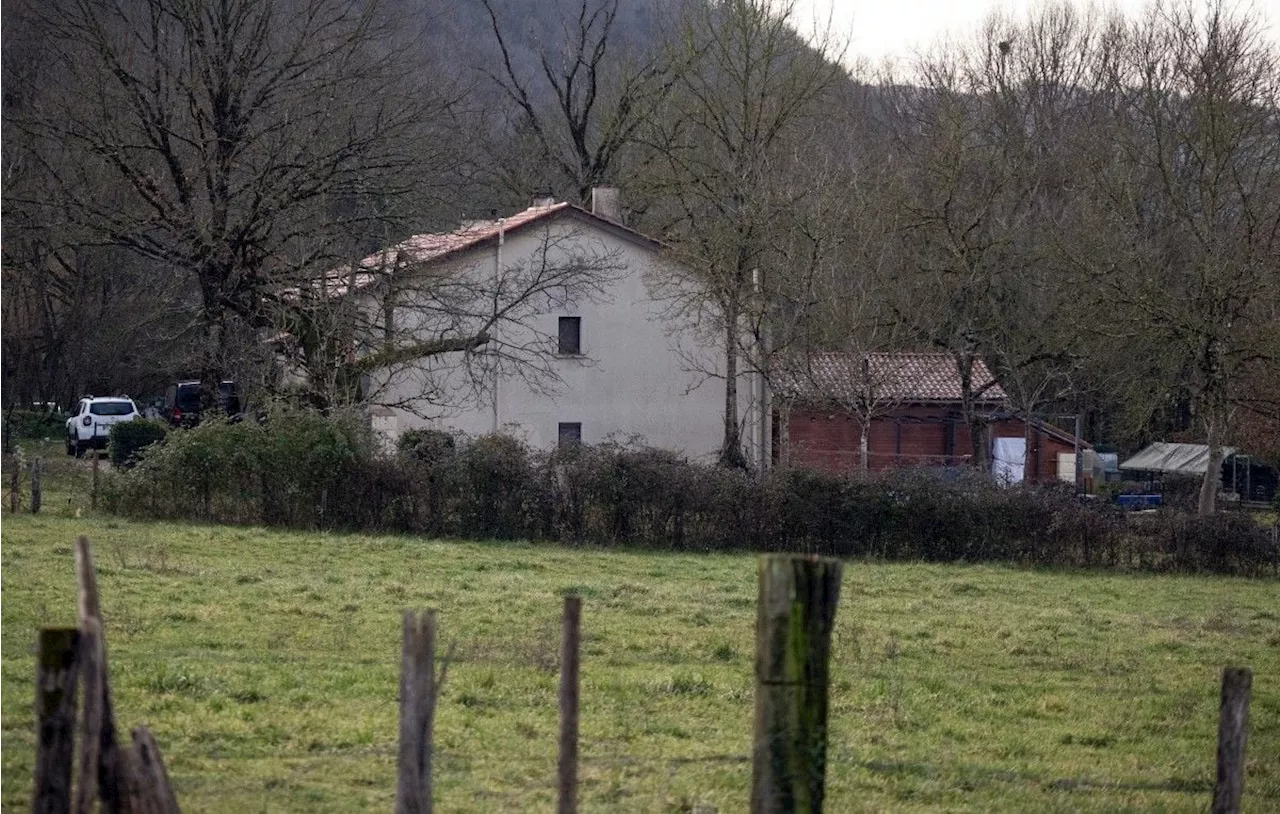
(266, 663)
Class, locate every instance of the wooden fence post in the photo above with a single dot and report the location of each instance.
(155, 792)
(91, 721)
(570, 662)
(15, 488)
(419, 691)
(57, 662)
(127, 780)
(93, 492)
(101, 757)
(795, 613)
(36, 467)
(1233, 734)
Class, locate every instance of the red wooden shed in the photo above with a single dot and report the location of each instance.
(913, 407)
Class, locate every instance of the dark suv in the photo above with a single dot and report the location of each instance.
(182, 403)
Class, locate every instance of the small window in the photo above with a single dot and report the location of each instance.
(570, 433)
(570, 343)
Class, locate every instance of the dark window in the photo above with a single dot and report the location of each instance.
(570, 433)
(111, 407)
(187, 397)
(570, 336)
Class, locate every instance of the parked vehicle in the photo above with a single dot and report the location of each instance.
(90, 424)
(182, 403)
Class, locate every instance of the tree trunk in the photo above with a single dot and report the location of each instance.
(731, 451)
(1213, 470)
(864, 444)
(215, 337)
(978, 441)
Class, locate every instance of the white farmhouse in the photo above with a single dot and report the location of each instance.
(590, 354)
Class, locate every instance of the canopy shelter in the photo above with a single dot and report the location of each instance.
(1168, 458)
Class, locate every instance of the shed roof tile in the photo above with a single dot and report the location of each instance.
(901, 377)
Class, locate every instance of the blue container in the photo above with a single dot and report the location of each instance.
(1138, 501)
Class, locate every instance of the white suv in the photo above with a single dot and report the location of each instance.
(91, 422)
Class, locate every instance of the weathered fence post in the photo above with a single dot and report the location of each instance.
(795, 613)
(15, 488)
(1233, 734)
(37, 466)
(126, 780)
(104, 765)
(155, 792)
(91, 723)
(93, 492)
(419, 691)
(57, 662)
(570, 661)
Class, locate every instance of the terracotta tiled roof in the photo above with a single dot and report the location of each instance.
(894, 377)
(424, 248)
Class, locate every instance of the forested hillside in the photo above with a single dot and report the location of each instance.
(1087, 203)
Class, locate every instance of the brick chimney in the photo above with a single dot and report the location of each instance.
(605, 203)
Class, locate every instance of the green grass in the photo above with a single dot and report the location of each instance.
(266, 663)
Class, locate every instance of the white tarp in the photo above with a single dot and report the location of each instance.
(1184, 459)
(1008, 456)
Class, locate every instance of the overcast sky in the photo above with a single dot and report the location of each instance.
(880, 28)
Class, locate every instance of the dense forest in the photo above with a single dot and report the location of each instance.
(1088, 203)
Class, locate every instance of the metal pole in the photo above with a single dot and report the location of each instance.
(497, 282)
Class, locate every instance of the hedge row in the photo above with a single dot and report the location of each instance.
(33, 424)
(305, 471)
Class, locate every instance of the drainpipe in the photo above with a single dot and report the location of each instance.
(497, 280)
(1079, 462)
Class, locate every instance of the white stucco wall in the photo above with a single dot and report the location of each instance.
(630, 381)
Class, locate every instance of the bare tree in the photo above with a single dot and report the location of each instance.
(1187, 177)
(843, 338)
(961, 206)
(583, 110)
(1031, 77)
(246, 144)
(985, 132)
(78, 316)
(738, 182)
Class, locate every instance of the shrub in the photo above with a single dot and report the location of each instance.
(426, 444)
(303, 469)
(34, 424)
(288, 469)
(129, 438)
(497, 489)
(1229, 542)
